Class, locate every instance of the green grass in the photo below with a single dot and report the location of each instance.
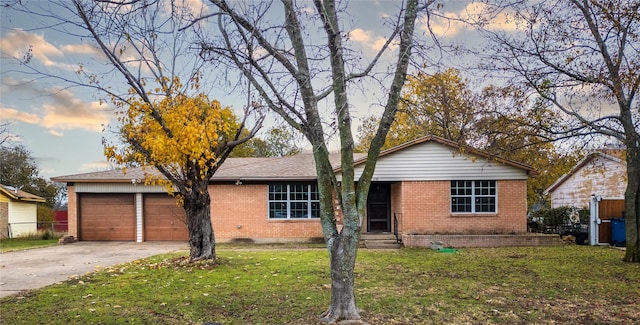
(17, 244)
(551, 285)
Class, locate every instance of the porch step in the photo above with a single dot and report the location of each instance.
(379, 241)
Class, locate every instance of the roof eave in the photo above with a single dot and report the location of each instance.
(263, 179)
(12, 195)
(86, 180)
(32, 200)
(214, 179)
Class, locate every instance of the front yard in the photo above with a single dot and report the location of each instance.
(16, 244)
(542, 285)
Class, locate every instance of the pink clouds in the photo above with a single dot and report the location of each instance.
(11, 114)
(367, 38)
(62, 112)
(451, 24)
(18, 43)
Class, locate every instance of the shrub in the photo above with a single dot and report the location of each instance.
(553, 220)
(44, 235)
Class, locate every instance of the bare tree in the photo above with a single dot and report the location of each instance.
(294, 75)
(582, 57)
(5, 136)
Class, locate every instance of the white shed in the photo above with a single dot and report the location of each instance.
(18, 212)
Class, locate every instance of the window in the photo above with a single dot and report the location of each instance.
(473, 196)
(293, 201)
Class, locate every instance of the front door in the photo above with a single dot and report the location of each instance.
(379, 208)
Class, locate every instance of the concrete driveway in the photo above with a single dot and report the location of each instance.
(40, 267)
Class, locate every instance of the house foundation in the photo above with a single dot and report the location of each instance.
(459, 241)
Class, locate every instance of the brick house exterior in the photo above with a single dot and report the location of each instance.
(427, 186)
(234, 209)
(440, 220)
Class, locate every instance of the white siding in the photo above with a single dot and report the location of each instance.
(139, 214)
(117, 188)
(600, 176)
(433, 161)
(23, 218)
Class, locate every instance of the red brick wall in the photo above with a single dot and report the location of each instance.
(241, 211)
(72, 208)
(396, 205)
(425, 209)
(512, 205)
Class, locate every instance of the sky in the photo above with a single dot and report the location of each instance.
(64, 126)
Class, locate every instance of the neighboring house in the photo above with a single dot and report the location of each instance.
(602, 173)
(18, 212)
(427, 186)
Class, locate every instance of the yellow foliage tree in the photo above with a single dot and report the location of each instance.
(147, 49)
(186, 139)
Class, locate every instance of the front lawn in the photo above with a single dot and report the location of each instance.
(17, 244)
(550, 285)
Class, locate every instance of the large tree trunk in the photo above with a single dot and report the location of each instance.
(632, 204)
(197, 205)
(343, 261)
(343, 245)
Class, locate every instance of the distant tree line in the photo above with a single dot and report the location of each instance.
(19, 169)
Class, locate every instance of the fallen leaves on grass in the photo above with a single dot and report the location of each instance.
(182, 262)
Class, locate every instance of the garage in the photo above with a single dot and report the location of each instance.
(163, 219)
(107, 216)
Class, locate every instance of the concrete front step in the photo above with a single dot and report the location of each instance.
(379, 241)
(376, 245)
(375, 236)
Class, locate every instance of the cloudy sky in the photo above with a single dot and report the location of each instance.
(63, 126)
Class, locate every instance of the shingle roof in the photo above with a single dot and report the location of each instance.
(300, 166)
(20, 195)
(297, 167)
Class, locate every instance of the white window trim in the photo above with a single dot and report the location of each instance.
(473, 196)
(289, 201)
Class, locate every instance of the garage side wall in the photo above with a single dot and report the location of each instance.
(241, 212)
(72, 209)
(426, 209)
